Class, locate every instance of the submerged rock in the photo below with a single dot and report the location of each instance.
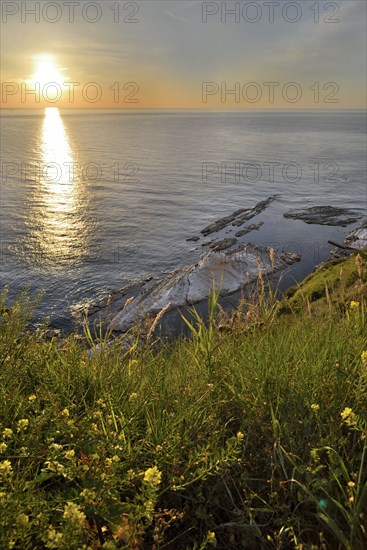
(218, 225)
(290, 258)
(248, 229)
(228, 270)
(324, 215)
(239, 217)
(223, 244)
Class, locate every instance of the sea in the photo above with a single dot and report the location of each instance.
(92, 200)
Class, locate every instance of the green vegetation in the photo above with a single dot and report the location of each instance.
(342, 278)
(250, 434)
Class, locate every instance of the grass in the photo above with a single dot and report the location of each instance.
(249, 434)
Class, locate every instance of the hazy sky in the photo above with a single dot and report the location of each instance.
(185, 54)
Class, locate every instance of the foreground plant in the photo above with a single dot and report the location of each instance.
(252, 437)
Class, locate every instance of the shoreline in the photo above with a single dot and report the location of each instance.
(106, 310)
(141, 429)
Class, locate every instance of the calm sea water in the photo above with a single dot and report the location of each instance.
(92, 200)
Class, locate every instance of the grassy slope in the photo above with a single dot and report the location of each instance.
(257, 433)
(341, 279)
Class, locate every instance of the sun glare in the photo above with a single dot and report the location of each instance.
(59, 233)
(47, 71)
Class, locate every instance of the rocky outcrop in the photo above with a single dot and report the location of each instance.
(358, 237)
(228, 270)
(354, 241)
(324, 215)
(239, 217)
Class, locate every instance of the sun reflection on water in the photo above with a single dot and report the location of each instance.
(59, 229)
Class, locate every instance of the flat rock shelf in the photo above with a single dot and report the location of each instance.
(324, 215)
(227, 270)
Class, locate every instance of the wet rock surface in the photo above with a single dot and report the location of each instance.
(248, 229)
(324, 215)
(228, 270)
(229, 261)
(223, 244)
(239, 217)
(355, 240)
(290, 258)
(358, 237)
(110, 303)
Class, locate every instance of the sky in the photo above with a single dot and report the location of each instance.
(172, 54)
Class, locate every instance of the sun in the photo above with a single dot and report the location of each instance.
(47, 71)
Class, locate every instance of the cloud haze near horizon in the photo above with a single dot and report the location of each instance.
(170, 52)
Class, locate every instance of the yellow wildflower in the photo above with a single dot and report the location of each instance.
(3, 497)
(149, 508)
(7, 433)
(315, 407)
(6, 468)
(32, 398)
(56, 447)
(65, 412)
(69, 454)
(348, 416)
(347, 412)
(240, 436)
(22, 424)
(88, 495)
(134, 395)
(53, 538)
(3, 447)
(211, 538)
(74, 516)
(364, 357)
(54, 466)
(354, 305)
(153, 476)
(351, 484)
